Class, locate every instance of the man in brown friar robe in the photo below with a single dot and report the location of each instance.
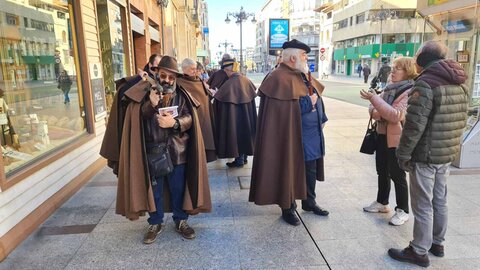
(220, 76)
(128, 143)
(195, 87)
(286, 164)
(236, 118)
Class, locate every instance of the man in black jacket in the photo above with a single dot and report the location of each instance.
(431, 138)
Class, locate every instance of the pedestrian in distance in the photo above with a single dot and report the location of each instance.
(64, 84)
(430, 141)
(388, 110)
(289, 146)
(359, 70)
(196, 88)
(235, 118)
(383, 74)
(366, 73)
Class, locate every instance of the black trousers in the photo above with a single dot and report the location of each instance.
(311, 177)
(387, 168)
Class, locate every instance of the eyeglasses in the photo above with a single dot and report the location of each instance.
(397, 69)
(154, 68)
(163, 76)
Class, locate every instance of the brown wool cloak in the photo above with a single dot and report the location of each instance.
(236, 117)
(195, 87)
(278, 172)
(217, 79)
(134, 190)
(111, 140)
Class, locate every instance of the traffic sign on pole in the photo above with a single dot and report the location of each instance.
(322, 50)
(322, 57)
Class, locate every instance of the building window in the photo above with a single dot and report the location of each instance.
(12, 19)
(329, 15)
(360, 18)
(39, 98)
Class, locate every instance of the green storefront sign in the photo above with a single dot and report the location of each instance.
(373, 51)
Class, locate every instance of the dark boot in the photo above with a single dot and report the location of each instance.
(317, 210)
(408, 255)
(238, 162)
(437, 250)
(290, 217)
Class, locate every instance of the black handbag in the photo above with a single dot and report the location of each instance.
(159, 161)
(369, 144)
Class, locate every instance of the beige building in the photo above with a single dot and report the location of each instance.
(181, 27)
(370, 31)
(203, 40)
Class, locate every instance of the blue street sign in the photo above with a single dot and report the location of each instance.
(279, 32)
(312, 67)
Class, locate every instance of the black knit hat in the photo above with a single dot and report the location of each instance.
(425, 58)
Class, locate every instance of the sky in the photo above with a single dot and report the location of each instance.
(219, 31)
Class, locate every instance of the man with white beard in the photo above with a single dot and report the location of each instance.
(289, 144)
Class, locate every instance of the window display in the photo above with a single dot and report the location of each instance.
(39, 97)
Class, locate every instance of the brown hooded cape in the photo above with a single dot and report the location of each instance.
(217, 79)
(134, 190)
(195, 87)
(236, 117)
(278, 172)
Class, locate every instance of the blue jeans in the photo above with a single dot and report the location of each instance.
(176, 184)
(66, 97)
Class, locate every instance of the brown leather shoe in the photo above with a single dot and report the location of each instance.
(408, 255)
(437, 250)
(152, 232)
(185, 230)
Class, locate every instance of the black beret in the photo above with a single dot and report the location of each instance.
(295, 44)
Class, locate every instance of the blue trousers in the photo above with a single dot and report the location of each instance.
(176, 185)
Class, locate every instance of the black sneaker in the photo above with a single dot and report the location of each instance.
(290, 217)
(437, 250)
(408, 255)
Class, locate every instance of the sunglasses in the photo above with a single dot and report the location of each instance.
(164, 76)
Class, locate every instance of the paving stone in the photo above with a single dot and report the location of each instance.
(115, 259)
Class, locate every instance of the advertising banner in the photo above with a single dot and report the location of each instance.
(279, 32)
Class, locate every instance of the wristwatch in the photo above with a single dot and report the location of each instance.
(176, 125)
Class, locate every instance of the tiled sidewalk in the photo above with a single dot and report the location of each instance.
(85, 233)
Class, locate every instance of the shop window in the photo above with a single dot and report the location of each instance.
(40, 108)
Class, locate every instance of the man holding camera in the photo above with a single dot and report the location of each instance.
(144, 183)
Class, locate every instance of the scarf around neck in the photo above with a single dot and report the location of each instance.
(394, 90)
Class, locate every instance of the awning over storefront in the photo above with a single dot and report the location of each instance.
(42, 59)
(373, 51)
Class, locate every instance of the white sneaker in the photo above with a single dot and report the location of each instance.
(376, 207)
(399, 217)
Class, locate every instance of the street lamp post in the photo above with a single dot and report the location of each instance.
(382, 15)
(240, 16)
(225, 45)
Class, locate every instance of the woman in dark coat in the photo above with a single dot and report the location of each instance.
(64, 84)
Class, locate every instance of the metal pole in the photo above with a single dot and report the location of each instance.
(241, 47)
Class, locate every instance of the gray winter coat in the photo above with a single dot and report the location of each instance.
(436, 115)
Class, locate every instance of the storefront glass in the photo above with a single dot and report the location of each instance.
(111, 39)
(460, 32)
(41, 105)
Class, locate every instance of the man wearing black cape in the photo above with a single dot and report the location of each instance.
(235, 118)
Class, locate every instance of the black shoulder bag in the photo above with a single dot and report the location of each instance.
(159, 160)
(369, 144)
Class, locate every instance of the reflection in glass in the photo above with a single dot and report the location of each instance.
(39, 97)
